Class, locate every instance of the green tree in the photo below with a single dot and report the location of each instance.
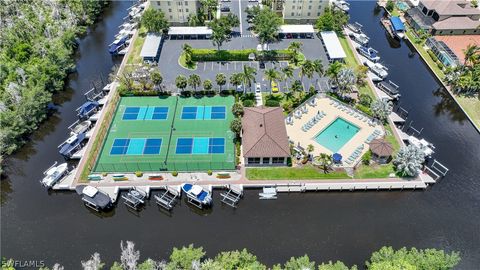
(248, 76)
(184, 257)
(236, 126)
(154, 21)
(181, 82)
(187, 51)
(318, 67)
(299, 263)
(471, 54)
(194, 81)
(390, 5)
(237, 109)
(332, 20)
(233, 260)
(296, 86)
(381, 109)
(156, 78)
(324, 161)
(310, 148)
(266, 24)
(287, 72)
(209, 7)
(307, 68)
(295, 47)
(334, 70)
(408, 161)
(222, 29)
(271, 75)
(221, 80)
(236, 79)
(207, 85)
(361, 74)
(338, 265)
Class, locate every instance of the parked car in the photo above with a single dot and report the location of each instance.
(262, 65)
(225, 9)
(258, 88)
(239, 88)
(274, 87)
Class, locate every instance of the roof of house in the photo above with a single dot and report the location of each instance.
(456, 23)
(151, 45)
(264, 132)
(381, 148)
(451, 7)
(333, 45)
(189, 30)
(296, 29)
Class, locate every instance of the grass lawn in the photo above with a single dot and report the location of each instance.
(182, 62)
(391, 138)
(134, 57)
(374, 171)
(472, 106)
(423, 52)
(288, 173)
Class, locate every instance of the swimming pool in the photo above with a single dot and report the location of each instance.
(337, 134)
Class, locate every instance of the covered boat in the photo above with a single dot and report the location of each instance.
(390, 89)
(87, 109)
(398, 27)
(369, 52)
(118, 44)
(53, 174)
(377, 69)
(360, 38)
(197, 195)
(68, 147)
(94, 198)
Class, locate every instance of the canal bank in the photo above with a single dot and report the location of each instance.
(327, 226)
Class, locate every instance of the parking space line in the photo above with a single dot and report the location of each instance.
(212, 65)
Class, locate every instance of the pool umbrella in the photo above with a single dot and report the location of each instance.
(337, 157)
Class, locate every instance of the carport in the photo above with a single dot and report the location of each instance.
(151, 47)
(190, 32)
(333, 46)
(296, 31)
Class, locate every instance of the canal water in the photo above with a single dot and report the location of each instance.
(56, 227)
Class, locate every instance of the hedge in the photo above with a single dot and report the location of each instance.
(238, 55)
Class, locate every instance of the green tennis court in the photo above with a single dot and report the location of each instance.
(169, 134)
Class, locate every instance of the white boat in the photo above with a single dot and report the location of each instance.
(342, 5)
(53, 174)
(355, 27)
(360, 38)
(423, 145)
(269, 193)
(369, 52)
(377, 68)
(197, 194)
(81, 127)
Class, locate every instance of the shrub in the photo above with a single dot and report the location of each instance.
(272, 103)
(440, 65)
(237, 148)
(209, 172)
(367, 157)
(248, 103)
(364, 109)
(175, 173)
(237, 160)
(237, 109)
(138, 174)
(365, 100)
(104, 174)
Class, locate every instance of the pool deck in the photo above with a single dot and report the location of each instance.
(324, 104)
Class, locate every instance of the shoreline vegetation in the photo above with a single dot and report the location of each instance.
(194, 258)
(39, 40)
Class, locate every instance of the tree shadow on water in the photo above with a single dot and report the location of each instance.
(448, 106)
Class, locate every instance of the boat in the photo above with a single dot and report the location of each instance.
(54, 174)
(423, 145)
(377, 68)
(80, 127)
(94, 198)
(135, 198)
(342, 5)
(390, 89)
(360, 38)
(369, 52)
(72, 144)
(269, 193)
(355, 27)
(87, 109)
(398, 28)
(117, 44)
(197, 195)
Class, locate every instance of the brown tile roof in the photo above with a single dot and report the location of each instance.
(264, 133)
(456, 23)
(458, 43)
(451, 7)
(381, 148)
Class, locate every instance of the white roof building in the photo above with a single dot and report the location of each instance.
(189, 31)
(296, 29)
(333, 45)
(151, 46)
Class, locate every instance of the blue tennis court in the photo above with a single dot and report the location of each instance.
(200, 145)
(145, 113)
(203, 113)
(136, 146)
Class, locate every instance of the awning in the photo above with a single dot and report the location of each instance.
(189, 30)
(397, 23)
(296, 29)
(151, 45)
(333, 45)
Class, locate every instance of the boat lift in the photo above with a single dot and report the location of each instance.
(168, 199)
(135, 198)
(232, 196)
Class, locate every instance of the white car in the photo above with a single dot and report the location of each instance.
(258, 88)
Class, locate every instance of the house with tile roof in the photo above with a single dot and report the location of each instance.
(445, 17)
(264, 137)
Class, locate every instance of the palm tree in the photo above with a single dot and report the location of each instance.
(221, 80)
(181, 82)
(289, 96)
(324, 161)
(296, 86)
(310, 148)
(236, 79)
(194, 81)
(333, 70)
(271, 75)
(295, 47)
(287, 72)
(307, 69)
(381, 109)
(156, 78)
(346, 78)
(248, 76)
(409, 160)
(472, 54)
(318, 67)
(207, 85)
